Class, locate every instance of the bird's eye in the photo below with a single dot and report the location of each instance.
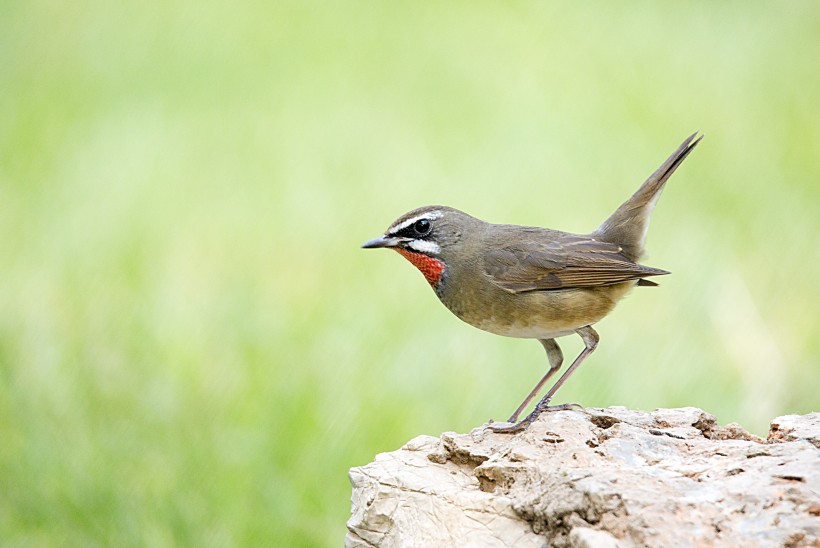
(422, 227)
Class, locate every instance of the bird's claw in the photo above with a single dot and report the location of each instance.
(511, 426)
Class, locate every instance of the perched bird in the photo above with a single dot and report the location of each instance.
(529, 282)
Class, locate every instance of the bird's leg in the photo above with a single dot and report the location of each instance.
(556, 358)
(590, 338)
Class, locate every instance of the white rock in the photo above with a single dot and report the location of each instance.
(596, 478)
(584, 537)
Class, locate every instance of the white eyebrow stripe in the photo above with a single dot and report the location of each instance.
(431, 215)
(424, 246)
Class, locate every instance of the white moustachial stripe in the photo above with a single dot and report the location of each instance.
(424, 246)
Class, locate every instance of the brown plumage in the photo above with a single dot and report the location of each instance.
(531, 282)
(548, 260)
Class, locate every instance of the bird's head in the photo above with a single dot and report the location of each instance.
(428, 237)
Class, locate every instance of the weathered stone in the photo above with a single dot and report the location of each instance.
(597, 478)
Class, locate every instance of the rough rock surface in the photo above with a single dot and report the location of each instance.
(597, 478)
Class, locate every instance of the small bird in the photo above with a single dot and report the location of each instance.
(529, 282)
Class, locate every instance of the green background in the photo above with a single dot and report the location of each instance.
(193, 350)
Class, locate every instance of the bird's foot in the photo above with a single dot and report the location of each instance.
(511, 427)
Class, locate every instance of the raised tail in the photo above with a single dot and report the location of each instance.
(628, 225)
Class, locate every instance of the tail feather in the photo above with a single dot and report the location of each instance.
(628, 225)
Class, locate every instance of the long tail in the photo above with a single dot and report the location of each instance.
(628, 225)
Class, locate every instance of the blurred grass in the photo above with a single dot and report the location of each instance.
(193, 351)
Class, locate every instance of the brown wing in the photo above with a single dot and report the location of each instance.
(551, 260)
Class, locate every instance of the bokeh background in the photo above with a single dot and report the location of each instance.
(193, 350)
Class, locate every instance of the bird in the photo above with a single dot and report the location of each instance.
(530, 282)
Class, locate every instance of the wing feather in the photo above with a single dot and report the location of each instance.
(545, 260)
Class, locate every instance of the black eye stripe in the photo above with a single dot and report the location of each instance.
(418, 229)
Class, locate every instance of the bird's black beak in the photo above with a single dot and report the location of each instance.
(382, 241)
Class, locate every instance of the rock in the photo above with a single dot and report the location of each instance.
(596, 478)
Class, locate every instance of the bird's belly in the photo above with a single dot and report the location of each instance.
(541, 314)
(523, 331)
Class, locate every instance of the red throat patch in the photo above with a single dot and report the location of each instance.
(430, 267)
